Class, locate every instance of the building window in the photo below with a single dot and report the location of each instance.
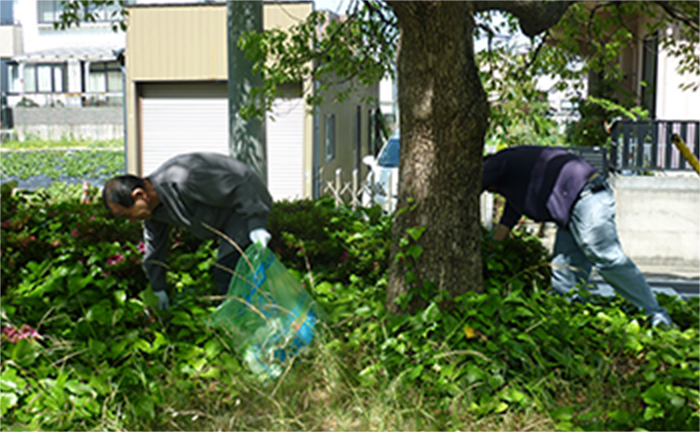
(105, 77)
(649, 74)
(330, 137)
(14, 83)
(49, 12)
(45, 78)
(357, 150)
(370, 132)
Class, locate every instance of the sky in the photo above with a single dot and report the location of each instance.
(338, 6)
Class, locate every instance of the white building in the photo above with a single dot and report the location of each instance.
(74, 67)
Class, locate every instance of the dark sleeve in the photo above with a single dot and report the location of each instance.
(156, 240)
(510, 216)
(493, 169)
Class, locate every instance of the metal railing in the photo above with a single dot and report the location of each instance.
(358, 192)
(647, 145)
(63, 99)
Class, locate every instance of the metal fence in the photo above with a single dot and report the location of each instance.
(357, 193)
(647, 145)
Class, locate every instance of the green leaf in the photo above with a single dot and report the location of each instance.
(415, 251)
(563, 414)
(324, 288)
(145, 407)
(431, 314)
(100, 384)
(415, 372)
(513, 395)
(415, 232)
(120, 296)
(143, 346)
(653, 412)
(100, 313)
(212, 348)
(7, 401)
(78, 388)
(160, 340)
(655, 395)
(474, 373)
(118, 348)
(24, 353)
(97, 347)
(621, 416)
(10, 381)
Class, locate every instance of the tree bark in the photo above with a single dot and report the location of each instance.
(534, 16)
(444, 116)
(247, 140)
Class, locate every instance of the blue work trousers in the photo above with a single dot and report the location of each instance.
(591, 239)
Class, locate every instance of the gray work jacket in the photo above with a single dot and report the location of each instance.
(200, 189)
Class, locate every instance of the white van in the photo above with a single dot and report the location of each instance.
(382, 184)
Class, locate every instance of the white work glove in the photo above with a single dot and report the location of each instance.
(163, 301)
(260, 236)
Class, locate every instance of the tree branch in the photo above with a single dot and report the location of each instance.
(534, 16)
(372, 7)
(534, 56)
(674, 13)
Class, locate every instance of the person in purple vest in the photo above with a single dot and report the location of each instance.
(211, 195)
(553, 185)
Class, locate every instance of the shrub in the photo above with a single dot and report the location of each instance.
(83, 351)
(332, 242)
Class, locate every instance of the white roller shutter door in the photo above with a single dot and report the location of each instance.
(285, 149)
(182, 119)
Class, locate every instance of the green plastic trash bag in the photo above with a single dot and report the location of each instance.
(268, 314)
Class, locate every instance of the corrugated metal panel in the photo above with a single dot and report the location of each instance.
(182, 119)
(285, 149)
(190, 42)
(177, 43)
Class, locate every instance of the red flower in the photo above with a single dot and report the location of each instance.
(25, 332)
(115, 259)
(344, 257)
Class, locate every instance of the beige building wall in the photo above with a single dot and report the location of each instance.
(177, 43)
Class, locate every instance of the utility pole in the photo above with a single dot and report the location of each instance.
(247, 141)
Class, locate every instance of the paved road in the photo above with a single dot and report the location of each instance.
(684, 288)
(682, 281)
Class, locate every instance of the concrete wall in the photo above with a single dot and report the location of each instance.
(55, 123)
(658, 219)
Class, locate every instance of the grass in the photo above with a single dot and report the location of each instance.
(320, 393)
(67, 143)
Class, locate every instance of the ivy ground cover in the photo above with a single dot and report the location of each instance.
(83, 348)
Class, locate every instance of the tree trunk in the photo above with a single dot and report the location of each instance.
(444, 116)
(247, 141)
